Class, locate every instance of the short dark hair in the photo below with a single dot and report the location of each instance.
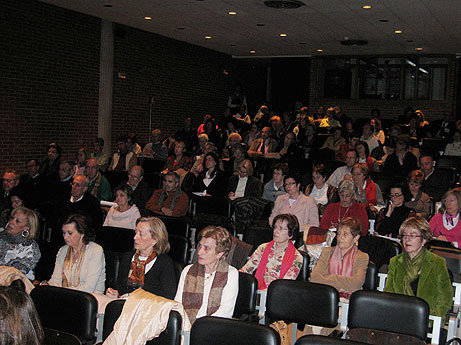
(292, 224)
(294, 177)
(365, 145)
(32, 160)
(403, 187)
(55, 146)
(174, 175)
(281, 166)
(320, 169)
(127, 189)
(82, 225)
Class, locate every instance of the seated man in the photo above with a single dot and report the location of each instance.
(141, 190)
(263, 145)
(338, 175)
(62, 188)
(156, 149)
(435, 182)
(10, 180)
(34, 183)
(123, 159)
(401, 162)
(99, 186)
(170, 200)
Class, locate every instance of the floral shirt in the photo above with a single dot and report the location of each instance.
(274, 265)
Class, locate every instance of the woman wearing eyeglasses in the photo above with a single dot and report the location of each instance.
(390, 218)
(445, 225)
(417, 271)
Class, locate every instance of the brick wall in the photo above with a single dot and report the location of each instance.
(50, 79)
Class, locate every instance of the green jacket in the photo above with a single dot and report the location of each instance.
(104, 191)
(434, 285)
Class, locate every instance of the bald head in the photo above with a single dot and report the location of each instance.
(135, 176)
(91, 168)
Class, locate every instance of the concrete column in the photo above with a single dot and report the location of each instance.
(106, 73)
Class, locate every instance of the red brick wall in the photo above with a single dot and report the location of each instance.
(50, 79)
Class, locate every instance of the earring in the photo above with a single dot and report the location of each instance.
(25, 233)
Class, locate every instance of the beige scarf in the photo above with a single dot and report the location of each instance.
(194, 286)
(70, 266)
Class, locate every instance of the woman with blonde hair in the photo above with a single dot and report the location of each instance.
(18, 248)
(209, 287)
(148, 266)
(445, 225)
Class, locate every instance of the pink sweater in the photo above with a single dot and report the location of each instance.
(437, 228)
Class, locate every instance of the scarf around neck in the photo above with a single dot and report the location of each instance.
(412, 269)
(287, 262)
(12, 239)
(138, 267)
(194, 287)
(343, 265)
(71, 268)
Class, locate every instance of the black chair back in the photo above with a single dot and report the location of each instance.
(256, 235)
(324, 340)
(246, 298)
(179, 249)
(67, 310)
(112, 266)
(302, 302)
(54, 337)
(304, 273)
(371, 279)
(115, 239)
(219, 331)
(389, 312)
(176, 225)
(170, 336)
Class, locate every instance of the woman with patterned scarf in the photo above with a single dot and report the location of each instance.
(148, 266)
(418, 272)
(279, 258)
(80, 264)
(445, 225)
(209, 287)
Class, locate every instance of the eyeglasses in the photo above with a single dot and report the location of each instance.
(395, 195)
(410, 236)
(288, 184)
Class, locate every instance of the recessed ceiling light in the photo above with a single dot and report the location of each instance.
(252, 51)
(418, 48)
(147, 18)
(367, 7)
(283, 35)
(260, 24)
(208, 37)
(232, 13)
(107, 5)
(320, 50)
(397, 31)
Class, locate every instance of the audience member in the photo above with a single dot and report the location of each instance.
(244, 184)
(211, 181)
(320, 191)
(124, 214)
(103, 160)
(187, 134)
(420, 201)
(329, 120)
(340, 116)
(435, 182)
(170, 200)
(368, 137)
(274, 188)
(156, 149)
(10, 180)
(147, 266)
(263, 145)
(34, 183)
(365, 190)
(141, 190)
(445, 225)
(364, 156)
(239, 154)
(335, 141)
(378, 132)
(345, 171)
(296, 203)
(401, 162)
(79, 166)
(133, 144)
(18, 248)
(50, 165)
(18, 198)
(252, 135)
(99, 186)
(454, 148)
(178, 162)
(123, 159)
(209, 287)
(279, 258)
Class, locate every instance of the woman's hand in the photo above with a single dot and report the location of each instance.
(112, 293)
(390, 209)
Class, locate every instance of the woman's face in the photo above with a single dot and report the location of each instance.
(318, 179)
(121, 198)
(52, 153)
(414, 187)
(179, 149)
(345, 240)
(397, 197)
(143, 240)
(360, 149)
(412, 241)
(345, 197)
(17, 224)
(280, 232)
(210, 163)
(358, 177)
(278, 176)
(206, 251)
(243, 171)
(81, 156)
(238, 155)
(291, 187)
(289, 139)
(72, 237)
(16, 202)
(451, 205)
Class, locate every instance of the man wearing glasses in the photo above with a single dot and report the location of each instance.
(141, 190)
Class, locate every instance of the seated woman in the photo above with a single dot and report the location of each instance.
(239, 154)
(296, 203)
(344, 266)
(178, 162)
(79, 167)
(445, 225)
(124, 214)
(420, 201)
(244, 184)
(274, 187)
(18, 198)
(211, 181)
(209, 287)
(454, 148)
(418, 272)
(346, 207)
(364, 156)
(148, 266)
(279, 258)
(365, 190)
(391, 217)
(288, 151)
(80, 263)
(18, 248)
(320, 191)
(334, 142)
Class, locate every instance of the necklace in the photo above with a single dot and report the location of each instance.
(208, 278)
(339, 213)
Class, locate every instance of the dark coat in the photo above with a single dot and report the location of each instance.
(252, 188)
(216, 188)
